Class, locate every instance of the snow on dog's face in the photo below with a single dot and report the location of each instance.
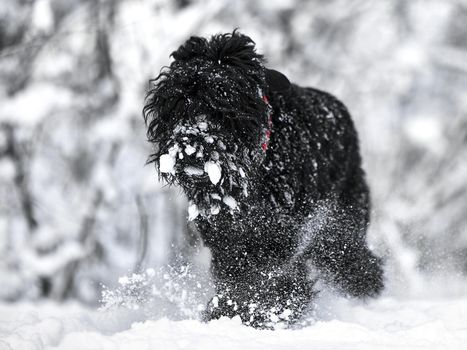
(208, 121)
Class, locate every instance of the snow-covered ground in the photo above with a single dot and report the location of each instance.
(386, 323)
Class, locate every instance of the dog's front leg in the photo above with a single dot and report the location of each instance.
(261, 295)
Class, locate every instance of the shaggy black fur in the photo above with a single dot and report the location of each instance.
(282, 204)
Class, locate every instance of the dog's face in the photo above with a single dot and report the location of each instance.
(209, 121)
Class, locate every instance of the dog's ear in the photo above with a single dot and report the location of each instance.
(277, 81)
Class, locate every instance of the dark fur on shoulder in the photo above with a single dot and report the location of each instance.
(273, 175)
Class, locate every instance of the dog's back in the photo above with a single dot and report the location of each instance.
(314, 148)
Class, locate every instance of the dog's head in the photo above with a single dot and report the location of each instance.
(209, 120)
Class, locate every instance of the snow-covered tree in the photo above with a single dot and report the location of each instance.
(79, 208)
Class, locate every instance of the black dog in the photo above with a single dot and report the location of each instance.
(273, 174)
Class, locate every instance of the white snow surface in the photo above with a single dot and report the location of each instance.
(385, 323)
(230, 201)
(167, 163)
(214, 171)
(193, 211)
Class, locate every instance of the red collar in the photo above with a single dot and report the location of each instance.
(267, 132)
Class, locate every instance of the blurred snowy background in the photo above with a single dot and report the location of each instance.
(78, 206)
